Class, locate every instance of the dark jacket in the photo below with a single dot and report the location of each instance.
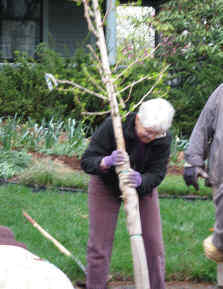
(149, 159)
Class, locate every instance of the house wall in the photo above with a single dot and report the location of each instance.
(19, 28)
(65, 25)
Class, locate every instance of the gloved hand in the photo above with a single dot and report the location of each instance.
(117, 158)
(191, 175)
(131, 178)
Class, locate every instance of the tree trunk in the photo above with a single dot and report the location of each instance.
(130, 196)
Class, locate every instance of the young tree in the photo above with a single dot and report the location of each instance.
(129, 194)
(109, 91)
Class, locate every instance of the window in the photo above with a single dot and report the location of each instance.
(20, 27)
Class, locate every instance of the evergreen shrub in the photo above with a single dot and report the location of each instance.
(191, 42)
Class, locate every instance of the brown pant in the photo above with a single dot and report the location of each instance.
(103, 213)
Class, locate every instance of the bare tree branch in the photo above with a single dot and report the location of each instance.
(83, 88)
(130, 93)
(151, 89)
(88, 13)
(107, 12)
(96, 113)
(92, 80)
(133, 84)
(98, 65)
(134, 62)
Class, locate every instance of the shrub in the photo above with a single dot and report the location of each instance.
(23, 88)
(191, 42)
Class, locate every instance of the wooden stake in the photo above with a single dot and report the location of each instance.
(59, 246)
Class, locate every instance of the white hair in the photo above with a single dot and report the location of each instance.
(157, 114)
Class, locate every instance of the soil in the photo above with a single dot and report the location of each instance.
(170, 285)
(74, 163)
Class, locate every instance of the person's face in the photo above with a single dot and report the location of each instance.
(145, 135)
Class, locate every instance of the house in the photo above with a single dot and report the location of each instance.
(59, 23)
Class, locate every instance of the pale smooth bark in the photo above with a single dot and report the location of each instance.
(129, 195)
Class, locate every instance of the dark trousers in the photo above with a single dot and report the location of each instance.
(103, 213)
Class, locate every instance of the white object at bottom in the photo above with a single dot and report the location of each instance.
(20, 269)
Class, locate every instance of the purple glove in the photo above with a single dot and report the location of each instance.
(117, 157)
(131, 178)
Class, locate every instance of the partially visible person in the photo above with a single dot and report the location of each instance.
(204, 157)
(7, 238)
(148, 141)
(19, 268)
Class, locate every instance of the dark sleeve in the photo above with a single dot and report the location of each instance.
(157, 167)
(102, 144)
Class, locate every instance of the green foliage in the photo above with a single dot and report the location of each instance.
(50, 137)
(9, 132)
(48, 173)
(23, 87)
(13, 163)
(156, 85)
(124, 77)
(63, 138)
(178, 145)
(191, 41)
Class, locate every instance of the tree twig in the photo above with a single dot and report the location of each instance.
(107, 12)
(133, 84)
(151, 89)
(82, 88)
(134, 62)
(96, 113)
(87, 13)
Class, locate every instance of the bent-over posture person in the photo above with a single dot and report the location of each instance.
(21, 269)
(206, 143)
(148, 146)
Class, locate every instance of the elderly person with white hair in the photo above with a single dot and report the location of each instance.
(148, 146)
(21, 269)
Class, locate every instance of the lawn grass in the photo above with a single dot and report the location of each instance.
(175, 185)
(65, 216)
